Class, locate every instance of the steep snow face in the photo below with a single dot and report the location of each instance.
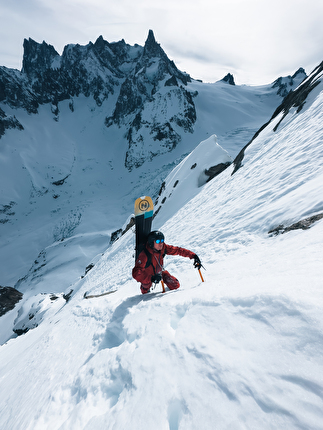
(84, 131)
(242, 350)
(64, 174)
(184, 182)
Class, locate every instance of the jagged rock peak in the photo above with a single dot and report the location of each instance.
(154, 63)
(101, 44)
(300, 71)
(229, 79)
(289, 83)
(37, 56)
(94, 69)
(152, 48)
(100, 41)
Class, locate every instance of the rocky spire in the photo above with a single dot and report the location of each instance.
(154, 53)
(300, 72)
(152, 48)
(286, 84)
(229, 79)
(37, 57)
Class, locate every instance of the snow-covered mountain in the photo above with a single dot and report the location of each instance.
(244, 349)
(84, 132)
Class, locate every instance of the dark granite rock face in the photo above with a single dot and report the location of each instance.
(7, 122)
(304, 224)
(137, 74)
(214, 171)
(286, 85)
(9, 297)
(229, 79)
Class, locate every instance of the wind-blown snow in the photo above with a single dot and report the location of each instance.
(243, 350)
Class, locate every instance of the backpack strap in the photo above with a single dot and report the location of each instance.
(149, 259)
(148, 263)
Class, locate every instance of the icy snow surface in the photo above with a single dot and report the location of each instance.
(75, 220)
(243, 350)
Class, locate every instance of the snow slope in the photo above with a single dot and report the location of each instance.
(243, 350)
(64, 179)
(184, 182)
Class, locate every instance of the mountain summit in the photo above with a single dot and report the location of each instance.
(100, 70)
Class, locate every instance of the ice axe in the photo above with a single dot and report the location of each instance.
(163, 285)
(201, 274)
(162, 282)
(198, 265)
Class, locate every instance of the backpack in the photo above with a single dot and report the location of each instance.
(148, 263)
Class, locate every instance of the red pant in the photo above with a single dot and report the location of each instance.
(171, 282)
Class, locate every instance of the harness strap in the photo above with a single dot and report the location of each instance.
(149, 260)
(158, 262)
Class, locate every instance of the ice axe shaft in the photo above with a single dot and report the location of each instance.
(163, 285)
(201, 275)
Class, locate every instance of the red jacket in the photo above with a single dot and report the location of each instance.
(143, 274)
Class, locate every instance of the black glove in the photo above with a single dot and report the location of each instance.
(197, 262)
(156, 278)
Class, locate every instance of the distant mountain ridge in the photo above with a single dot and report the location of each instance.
(99, 70)
(152, 99)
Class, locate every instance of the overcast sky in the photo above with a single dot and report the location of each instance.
(255, 40)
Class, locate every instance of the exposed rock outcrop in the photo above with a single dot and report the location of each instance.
(286, 85)
(229, 79)
(9, 297)
(304, 224)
